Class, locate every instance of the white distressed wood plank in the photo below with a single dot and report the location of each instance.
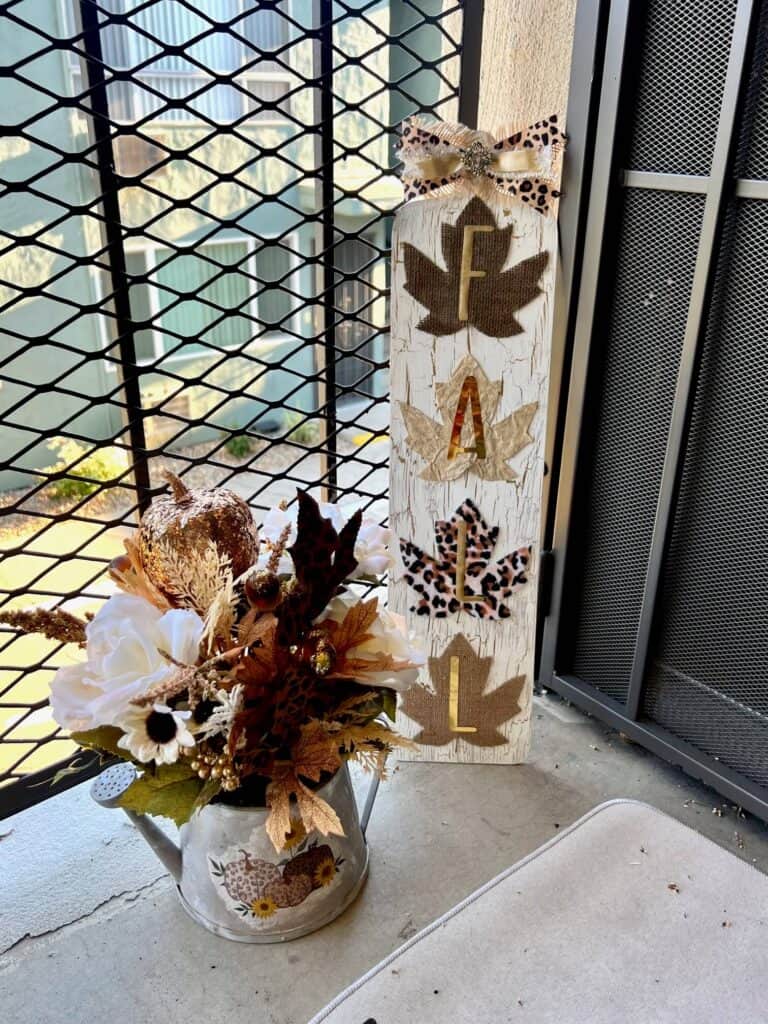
(418, 361)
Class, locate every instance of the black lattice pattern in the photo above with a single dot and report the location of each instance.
(195, 211)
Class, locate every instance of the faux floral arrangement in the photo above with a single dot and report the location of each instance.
(234, 667)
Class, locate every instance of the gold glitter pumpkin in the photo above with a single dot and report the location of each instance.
(182, 524)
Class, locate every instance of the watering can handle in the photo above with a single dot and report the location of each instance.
(370, 797)
(370, 800)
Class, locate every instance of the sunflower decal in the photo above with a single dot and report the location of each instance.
(296, 836)
(256, 889)
(263, 907)
(325, 872)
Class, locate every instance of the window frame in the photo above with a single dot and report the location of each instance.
(150, 253)
(243, 78)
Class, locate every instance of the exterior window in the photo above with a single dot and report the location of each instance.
(214, 310)
(158, 77)
(275, 305)
(200, 305)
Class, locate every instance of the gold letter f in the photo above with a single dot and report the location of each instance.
(467, 273)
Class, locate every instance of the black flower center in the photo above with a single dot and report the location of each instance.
(203, 710)
(161, 727)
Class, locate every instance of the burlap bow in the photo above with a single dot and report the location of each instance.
(439, 158)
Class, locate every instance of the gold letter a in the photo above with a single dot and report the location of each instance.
(470, 395)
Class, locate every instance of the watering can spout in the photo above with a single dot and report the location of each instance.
(107, 791)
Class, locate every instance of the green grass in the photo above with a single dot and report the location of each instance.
(239, 445)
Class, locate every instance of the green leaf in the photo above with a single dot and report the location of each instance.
(171, 792)
(104, 739)
(208, 791)
(164, 774)
(389, 704)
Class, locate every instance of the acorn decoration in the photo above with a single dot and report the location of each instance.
(183, 523)
(263, 590)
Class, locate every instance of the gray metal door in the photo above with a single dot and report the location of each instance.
(658, 616)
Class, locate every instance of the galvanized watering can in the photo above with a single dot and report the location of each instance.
(231, 881)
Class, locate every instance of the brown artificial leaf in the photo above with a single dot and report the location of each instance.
(279, 791)
(349, 634)
(299, 696)
(322, 559)
(349, 706)
(254, 625)
(257, 663)
(128, 573)
(317, 815)
(494, 298)
(369, 744)
(315, 752)
(353, 630)
(365, 670)
(485, 712)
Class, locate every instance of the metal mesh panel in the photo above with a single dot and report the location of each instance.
(682, 65)
(757, 162)
(752, 159)
(633, 391)
(707, 681)
(195, 223)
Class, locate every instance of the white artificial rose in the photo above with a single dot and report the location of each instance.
(389, 637)
(124, 642)
(371, 546)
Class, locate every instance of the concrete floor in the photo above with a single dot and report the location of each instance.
(91, 930)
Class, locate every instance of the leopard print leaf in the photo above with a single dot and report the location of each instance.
(434, 579)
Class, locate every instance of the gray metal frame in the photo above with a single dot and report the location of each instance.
(581, 294)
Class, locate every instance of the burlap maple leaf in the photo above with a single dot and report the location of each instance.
(485, 712)
(494, 298)
(502, 441)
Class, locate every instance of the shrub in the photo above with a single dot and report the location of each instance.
(85, 468)
(239, 445)
(303, 431)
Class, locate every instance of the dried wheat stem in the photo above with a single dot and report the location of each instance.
(55, 623)
(277, 551)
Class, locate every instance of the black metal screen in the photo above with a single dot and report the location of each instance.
(658, 621)
(195, 215)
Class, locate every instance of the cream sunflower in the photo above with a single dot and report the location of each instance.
(155, 733)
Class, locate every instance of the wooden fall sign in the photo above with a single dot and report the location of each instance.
(472, 300)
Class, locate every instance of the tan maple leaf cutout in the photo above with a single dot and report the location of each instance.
(494, 298)
(485, 712)
(503, 440)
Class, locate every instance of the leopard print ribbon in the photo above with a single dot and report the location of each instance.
(440, 158)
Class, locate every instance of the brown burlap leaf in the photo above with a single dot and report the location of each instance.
(475, 710)
(492, 299)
